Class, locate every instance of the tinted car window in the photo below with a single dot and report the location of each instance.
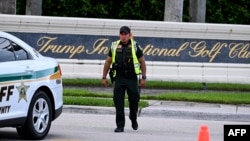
(6, 51)
(10, 51)
(19, 52)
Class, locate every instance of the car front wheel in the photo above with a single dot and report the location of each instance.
(39, 118)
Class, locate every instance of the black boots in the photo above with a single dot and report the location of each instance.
(134, 125)
(119, 129)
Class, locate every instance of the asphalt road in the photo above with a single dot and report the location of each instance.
(161, 121)
(72, 126)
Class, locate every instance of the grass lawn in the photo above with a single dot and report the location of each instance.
(221, 93)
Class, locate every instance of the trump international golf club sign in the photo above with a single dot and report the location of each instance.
(89, 47)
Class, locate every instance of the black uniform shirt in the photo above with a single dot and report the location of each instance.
(139, 52)
(124, 60)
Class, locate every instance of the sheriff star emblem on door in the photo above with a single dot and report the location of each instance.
(22, 89)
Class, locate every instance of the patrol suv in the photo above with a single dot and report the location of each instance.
(30, 88)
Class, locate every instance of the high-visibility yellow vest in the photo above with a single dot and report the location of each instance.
(133, 49)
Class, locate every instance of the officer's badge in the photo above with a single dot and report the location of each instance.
(120, 46)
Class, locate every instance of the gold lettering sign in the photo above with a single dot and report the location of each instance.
(150, 50)
(46, 44)
(194, 49)
(98, 47)
(239, 50)
(199, 49)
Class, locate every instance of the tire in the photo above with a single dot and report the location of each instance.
(39, 118)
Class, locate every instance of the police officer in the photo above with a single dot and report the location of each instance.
(126, 58)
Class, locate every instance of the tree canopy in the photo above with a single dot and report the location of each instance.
(217, 11)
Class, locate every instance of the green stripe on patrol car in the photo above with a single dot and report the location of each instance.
(25, 75)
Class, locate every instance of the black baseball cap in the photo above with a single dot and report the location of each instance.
(125, 29)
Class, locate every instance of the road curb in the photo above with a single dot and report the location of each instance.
(180, 110)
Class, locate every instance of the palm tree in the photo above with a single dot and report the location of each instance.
(8, 6)
(34, 7)
(173, 10)
(197, 11)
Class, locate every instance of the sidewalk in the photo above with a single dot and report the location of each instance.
(177, 109)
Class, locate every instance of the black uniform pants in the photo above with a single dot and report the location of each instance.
(121, 86)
